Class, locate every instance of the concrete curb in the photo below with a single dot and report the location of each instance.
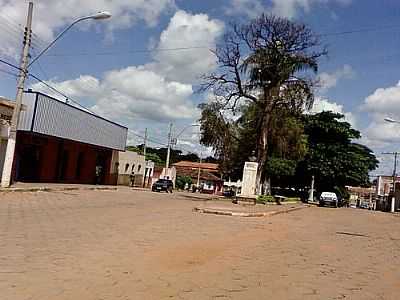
(246, 214)
(55, 189)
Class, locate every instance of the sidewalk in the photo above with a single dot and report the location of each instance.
(53, 187)
(258, 210)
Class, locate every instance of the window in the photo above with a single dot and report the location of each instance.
(126, 168)
(138, 168)
(133, 168)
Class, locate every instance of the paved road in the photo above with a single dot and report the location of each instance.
(141, 245)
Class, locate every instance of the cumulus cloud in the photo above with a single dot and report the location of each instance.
(132, 93)
(330, 80)
(49, 16)
(285, 8)
(384, 101)
(381, 104)
(160, 90)
(187, 31)
(322, 104)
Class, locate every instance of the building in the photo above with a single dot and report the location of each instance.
(60, 143)
(384, 188)
(207, 174)
(6, 110)
(133, 169)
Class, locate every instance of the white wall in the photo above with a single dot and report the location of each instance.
(129, 159)
(3, 148)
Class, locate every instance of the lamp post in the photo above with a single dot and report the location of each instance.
(173, 141)
(10, 152)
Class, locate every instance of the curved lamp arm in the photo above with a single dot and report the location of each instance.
(98, 16)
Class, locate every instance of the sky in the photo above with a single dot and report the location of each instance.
(142, 67)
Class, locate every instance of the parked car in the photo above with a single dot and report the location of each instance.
(229, 193)
(328, 198)
(162, 185)
(364, 205)
(353, 205)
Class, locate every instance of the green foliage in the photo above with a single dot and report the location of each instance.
(159, 155)
(334, 158)
(133, 149)
(277, 167)
(154, 158)
(262, 199)
(182, 180)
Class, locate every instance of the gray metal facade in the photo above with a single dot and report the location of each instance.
(46, 115)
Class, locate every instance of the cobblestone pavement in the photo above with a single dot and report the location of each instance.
(141, 245)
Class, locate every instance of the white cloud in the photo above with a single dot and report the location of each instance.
(184, 31)
(250, 8)
(285, 8)
(132, 93)
(383, 103)
(321, 104)
(330, 80)
(51, 15)
(160, 90)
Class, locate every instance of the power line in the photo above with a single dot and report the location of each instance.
(148, 139)
(127, 52)
(9, 73)
(370, 29)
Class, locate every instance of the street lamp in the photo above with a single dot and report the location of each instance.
(102, 15)
(173, 140)
(390, 120)
(10, 152)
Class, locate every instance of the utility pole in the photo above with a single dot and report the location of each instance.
(144, 143)
(23, 73)
(311, 195)
(144, 154)
(169, 147)
(198, 174)
(393, 203)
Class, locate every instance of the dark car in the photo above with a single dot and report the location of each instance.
(228, 193)
(163, 185)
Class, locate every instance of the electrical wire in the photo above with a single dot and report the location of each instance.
(9, 73)
(112, 53)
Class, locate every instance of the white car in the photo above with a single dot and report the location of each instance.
(328, 198)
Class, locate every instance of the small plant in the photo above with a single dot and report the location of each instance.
(262, 199)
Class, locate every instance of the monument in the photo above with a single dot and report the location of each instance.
(249, 181)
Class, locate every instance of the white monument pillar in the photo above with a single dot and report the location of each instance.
(249, 181)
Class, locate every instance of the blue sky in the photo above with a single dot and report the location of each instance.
(107, 65)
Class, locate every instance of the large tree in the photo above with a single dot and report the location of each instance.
(264, 64)
(334, 158)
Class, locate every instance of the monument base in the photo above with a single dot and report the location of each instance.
(245, 199)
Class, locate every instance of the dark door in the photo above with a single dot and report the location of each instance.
(28, 163)
(63, 164)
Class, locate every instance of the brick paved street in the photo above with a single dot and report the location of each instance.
(140, 245)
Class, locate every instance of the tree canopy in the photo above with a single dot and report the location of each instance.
(262, 71)
(334, 158)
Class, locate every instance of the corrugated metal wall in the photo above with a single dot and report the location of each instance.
(54, 118)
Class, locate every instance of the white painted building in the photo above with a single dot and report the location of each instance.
(133, 166)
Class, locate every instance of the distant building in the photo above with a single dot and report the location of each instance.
(384, 192)
(208, 175)
(58, 142)
(133, 169)
(6, 110)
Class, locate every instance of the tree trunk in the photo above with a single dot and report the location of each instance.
(262, 149)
